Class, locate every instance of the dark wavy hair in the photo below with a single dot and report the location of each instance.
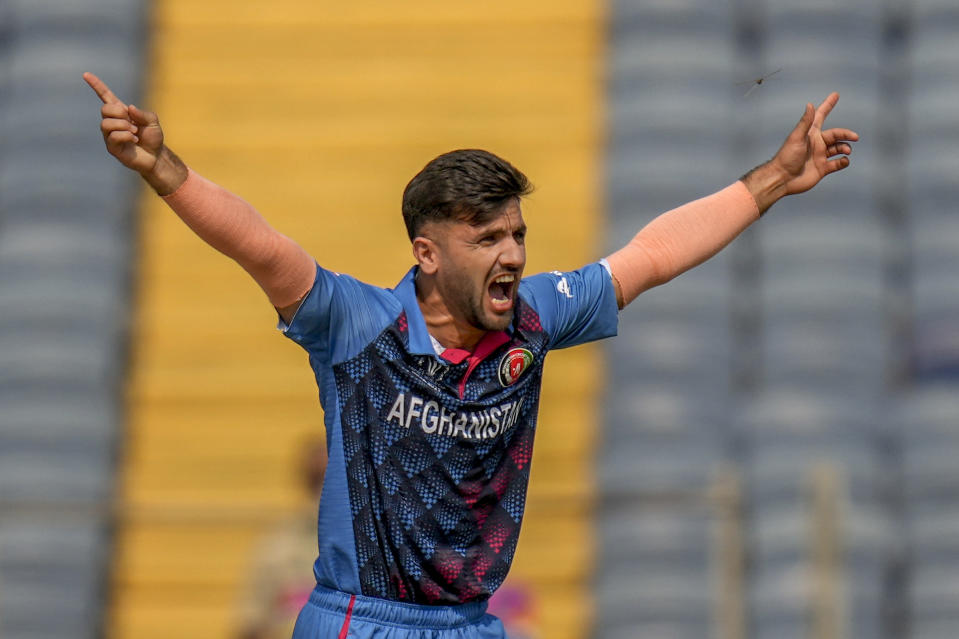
(469, 185)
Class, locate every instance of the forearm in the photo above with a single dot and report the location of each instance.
(282, 268)
(682, 238)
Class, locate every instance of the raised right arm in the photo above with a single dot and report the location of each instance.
(282, 268)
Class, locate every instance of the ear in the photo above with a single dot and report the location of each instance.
(427, 254)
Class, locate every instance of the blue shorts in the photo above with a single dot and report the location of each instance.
(330, 614)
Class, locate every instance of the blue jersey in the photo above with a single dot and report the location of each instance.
(429, 455)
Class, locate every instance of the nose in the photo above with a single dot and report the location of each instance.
(513, 256)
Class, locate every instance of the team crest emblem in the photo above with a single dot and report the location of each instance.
(513, 364)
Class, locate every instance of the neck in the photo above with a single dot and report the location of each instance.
(448, 329)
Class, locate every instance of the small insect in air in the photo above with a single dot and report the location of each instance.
(757, 82)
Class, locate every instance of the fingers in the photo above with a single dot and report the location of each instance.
(114, 110)
(805, 123)
(825, 108)
(117, 139)
(831, 136)
(101, 89)
(838, 149)
(141, 117)
(836, 165)
(109, 125)
(116, 115)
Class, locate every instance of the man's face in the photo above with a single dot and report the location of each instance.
(480, 267)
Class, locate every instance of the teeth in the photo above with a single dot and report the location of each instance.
(505, 279)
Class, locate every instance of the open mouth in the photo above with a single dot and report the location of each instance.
(501, 292)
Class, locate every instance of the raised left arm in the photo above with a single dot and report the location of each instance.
(685, 237)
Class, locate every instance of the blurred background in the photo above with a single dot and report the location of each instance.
(768, 449)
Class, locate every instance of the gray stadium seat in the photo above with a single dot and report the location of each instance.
(57, 63)
(53, 296)
(663, 597)
(42, 562)
(658, 536)
(675, 468)
(792, 242)
(98, 16)
(64, 237)
(933, 602)
(693, 353)
(45, 476)
(648, 414)
(678, 123)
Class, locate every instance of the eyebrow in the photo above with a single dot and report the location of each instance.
(497, 228)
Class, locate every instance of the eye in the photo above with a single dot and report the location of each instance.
(520, 236)
(487, 240)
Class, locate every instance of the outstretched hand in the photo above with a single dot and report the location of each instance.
(809, 153)
(807, 156)
(132, 136)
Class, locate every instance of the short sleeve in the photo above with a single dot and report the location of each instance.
(339, 316)
(574, 307)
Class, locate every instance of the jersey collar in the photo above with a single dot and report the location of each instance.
(419, 337)
(405, 291)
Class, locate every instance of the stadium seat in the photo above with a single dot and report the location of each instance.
(929, 439)
(671, 68)
(678, 468)
(66, 187)
(48, 565)
(693, 352)
(932, 600)
(666, 598)
(42, 476)
(68, 128)
(63, 250)
(52, 62)
(97, 16)
(659, 413)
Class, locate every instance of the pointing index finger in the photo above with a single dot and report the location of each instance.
(101, 89)
(825, 108)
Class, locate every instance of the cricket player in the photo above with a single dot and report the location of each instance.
(430, 389)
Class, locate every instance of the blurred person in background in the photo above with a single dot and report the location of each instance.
(280, 580)
(515, 604)
(431, 389)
